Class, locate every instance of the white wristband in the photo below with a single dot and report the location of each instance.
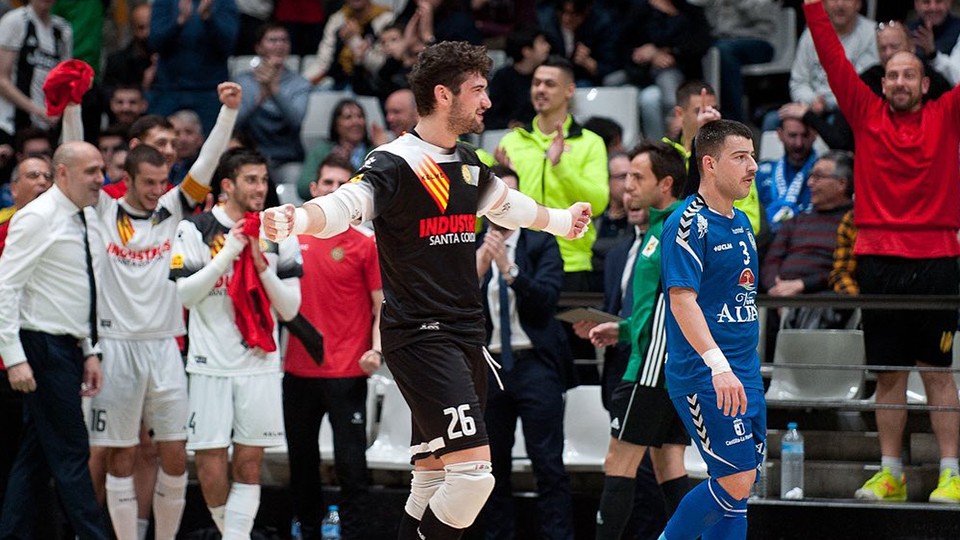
(558, 222)
(300, 221)
(716, 361)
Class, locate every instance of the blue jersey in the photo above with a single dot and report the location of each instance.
(716, 256)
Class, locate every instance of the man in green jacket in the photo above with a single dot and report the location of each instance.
(642, 415)
(559, 162)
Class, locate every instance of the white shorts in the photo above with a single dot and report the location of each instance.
(142, 380)
(246, 409)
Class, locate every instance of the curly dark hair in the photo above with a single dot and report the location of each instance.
(448, 63)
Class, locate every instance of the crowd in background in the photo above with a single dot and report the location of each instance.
(158, 66)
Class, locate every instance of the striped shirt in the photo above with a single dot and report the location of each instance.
(803, 249)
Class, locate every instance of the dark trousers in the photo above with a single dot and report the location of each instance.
(54, 442)
(305, 401)
(533, 391)
(11, 425)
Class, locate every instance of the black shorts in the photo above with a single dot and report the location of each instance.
(904, 336)
(445, 384)
(645, 416)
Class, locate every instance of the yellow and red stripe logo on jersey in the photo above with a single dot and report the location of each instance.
(434, 180)
(217, 244)
(125, 228)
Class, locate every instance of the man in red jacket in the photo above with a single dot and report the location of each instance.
(908, 214)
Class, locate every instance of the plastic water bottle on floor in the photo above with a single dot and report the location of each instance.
(296, 530)
(330, 528)
(791, 464)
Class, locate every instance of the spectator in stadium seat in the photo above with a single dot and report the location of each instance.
(194, 39)
(348, 138)
(527, 48)
(127, 104)
(808, 81)
(348, 37)
(661, 45)
(189, 132)
(303, 21)
(801, 257)
(782, 184)
(274, 101)
(342, 295)
(843, 276)
(936, 34)
(743, 30)
(907, 211)
(32, 41)
(135, 64)
(400, 111)
(584, 33)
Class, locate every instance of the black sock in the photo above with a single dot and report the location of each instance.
(408, 528)
(432, 528)
(673, 492)
(616, 503)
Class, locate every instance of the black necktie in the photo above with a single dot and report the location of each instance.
(626, 305)
(506, 352)
(91, 281)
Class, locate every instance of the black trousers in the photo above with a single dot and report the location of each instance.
(11, 425)
(54, 443)
(305, 402)
(533, 391)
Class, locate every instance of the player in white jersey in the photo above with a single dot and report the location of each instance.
(139, 318)
(235, 385)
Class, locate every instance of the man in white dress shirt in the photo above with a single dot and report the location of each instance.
(47, 338)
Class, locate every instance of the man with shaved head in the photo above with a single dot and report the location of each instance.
(908, 214)
(401, 111)
(47, 341)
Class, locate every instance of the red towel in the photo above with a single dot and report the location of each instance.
(66, 84)
(251, 306)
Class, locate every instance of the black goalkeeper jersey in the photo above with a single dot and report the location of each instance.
(426, 201)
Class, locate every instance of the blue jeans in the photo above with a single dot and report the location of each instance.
(734, 53)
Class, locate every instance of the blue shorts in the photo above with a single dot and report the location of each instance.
(728, 444)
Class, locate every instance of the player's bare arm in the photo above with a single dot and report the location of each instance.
(731, 398)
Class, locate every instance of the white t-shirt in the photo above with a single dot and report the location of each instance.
(137, 299)
(216, 346)
(42, 53)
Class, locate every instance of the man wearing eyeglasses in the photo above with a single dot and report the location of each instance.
(908, 214)
(801, 256)
(30, 178)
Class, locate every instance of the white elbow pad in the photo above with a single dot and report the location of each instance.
(517, 210)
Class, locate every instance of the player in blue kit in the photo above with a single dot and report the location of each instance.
(709, 266)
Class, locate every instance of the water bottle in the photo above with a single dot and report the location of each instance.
(296, 530)
(791, 464)
(330, 528)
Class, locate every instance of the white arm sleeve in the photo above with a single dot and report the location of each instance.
(515, 210)
(206, 165)
(284, 294)
(72, 124)
(350, 204)
(195, 287)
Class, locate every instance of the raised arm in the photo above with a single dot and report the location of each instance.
(853, 95)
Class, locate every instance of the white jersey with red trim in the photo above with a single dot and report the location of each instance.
(137, 300)
(216, 346)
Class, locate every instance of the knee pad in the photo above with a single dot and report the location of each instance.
(465, 489)
(422, 487)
